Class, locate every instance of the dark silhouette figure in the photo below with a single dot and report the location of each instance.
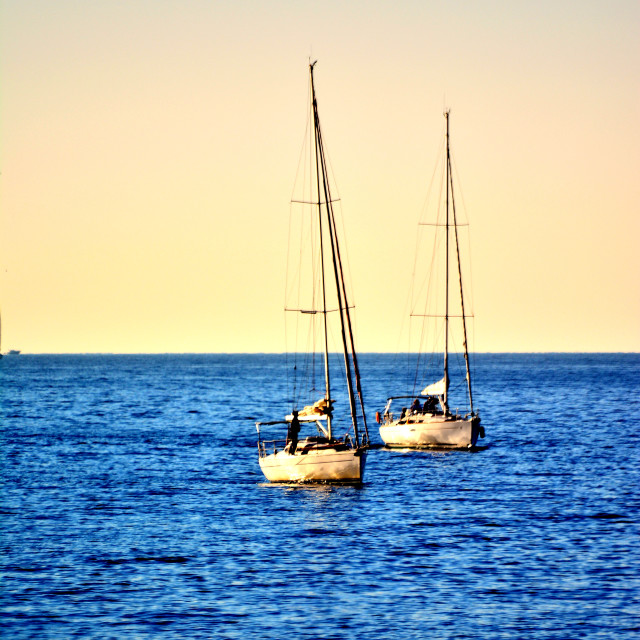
(292, 433)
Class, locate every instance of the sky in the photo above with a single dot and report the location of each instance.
(148, 151)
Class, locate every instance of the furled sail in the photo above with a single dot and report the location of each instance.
(435, 389)
(322, 407)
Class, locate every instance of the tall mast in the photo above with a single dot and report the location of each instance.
(446, 306)
(316, 128)
(341, 293)
(464, 318)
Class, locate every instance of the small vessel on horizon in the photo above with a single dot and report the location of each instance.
(432, 423)
(321, 307)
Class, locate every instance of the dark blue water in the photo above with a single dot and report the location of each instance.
(133, 507)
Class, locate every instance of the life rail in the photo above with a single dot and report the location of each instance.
(267, 447)
(305, 446)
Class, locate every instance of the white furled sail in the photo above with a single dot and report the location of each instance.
(435, 389)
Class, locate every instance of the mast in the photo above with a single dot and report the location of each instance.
(341, 293)
(446, 305)
(319, 164)
(464, 318)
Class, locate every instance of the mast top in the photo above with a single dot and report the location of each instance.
(313, 89)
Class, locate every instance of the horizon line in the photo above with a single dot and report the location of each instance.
(275, 353)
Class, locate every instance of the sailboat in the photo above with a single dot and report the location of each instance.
(322, 305)
(430, 421)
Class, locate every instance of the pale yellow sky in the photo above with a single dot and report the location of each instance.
(149, 150)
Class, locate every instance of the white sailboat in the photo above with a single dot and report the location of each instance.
(430, 421)
(322, 303)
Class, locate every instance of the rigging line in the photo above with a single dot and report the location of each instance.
(354, 357)
(436, 315)
(469, 270)
(313, 202)
(423, 361)
(302, 367)
(429, 277)
(460, 363)
(347, 318)
(291, 377)
(305, 233)
(291, 380)
(295, 291)
(408, 304)
(313, 311)
(299, 180)
(432, 290)
(432, 272)
(352, 351)
(428, 358)
(413, 294)
(308, 365)
(417, 243)
(341, 294)
(411, 301)
(292, 289)
(469, 262)
(438, 165)
(434, 224)
(301, 160)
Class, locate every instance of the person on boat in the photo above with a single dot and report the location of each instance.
(416, 407)
(292, 433)
(431, 404)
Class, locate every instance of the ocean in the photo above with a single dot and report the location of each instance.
(133, 506)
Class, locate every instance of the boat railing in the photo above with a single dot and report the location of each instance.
(410, 416)
(267, 447)
(308, 445)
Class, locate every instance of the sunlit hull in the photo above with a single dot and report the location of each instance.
(429, 430)
(320, 465)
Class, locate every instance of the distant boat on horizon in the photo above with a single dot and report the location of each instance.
(12, 352)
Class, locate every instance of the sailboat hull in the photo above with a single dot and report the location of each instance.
(425, 431)
(326, 465)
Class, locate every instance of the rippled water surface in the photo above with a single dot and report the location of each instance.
(133, 507)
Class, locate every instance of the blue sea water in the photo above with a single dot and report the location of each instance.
(133, 506)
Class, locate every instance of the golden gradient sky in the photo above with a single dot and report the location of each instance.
(149, 150)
